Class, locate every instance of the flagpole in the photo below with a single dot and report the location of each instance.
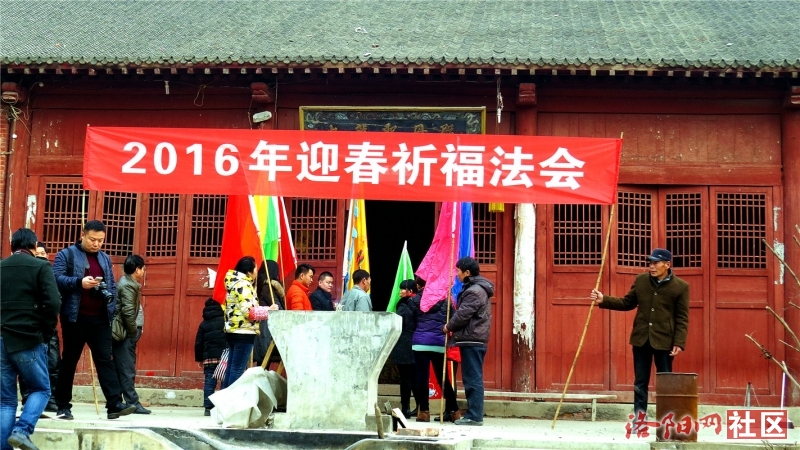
(449, 300)
(347, 244)
(591, 308)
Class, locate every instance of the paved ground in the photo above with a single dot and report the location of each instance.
(496, 432)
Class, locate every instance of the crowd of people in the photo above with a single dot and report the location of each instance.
(105, 314)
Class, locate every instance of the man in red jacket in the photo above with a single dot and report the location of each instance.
(297, 294)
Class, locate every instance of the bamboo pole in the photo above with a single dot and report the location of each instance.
(591, 308)
(94, 388)
(449, 300)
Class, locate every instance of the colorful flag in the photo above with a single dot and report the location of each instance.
(466, 243)
(239, 238)
(276, 240)
(438, 266)
(404, 272)
(287, 257)
(356, 253)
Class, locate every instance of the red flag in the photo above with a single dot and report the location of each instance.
(287, 256)
(239, 238)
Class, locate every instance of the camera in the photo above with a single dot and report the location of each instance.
(101, 291)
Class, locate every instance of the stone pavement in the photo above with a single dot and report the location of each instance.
(90, 430)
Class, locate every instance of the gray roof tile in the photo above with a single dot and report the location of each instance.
(644, 34)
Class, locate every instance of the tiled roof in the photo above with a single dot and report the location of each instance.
(623, 34)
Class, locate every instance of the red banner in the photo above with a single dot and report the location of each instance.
(345, 164)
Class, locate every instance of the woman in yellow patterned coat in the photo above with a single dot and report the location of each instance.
(242, 314)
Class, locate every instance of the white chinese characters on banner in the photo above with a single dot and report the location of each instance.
(366, 162)
(562, 178)
(467, 163)
(267, 157)
(324, 160)
(515, 170)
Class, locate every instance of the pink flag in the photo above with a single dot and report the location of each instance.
(438, 267)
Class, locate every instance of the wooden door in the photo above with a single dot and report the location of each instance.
(741, 271)
(573, 248)
(676, 219)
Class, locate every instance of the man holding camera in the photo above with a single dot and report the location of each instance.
(88, 301)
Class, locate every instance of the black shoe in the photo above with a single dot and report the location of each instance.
(141, 410)
(64, 414)
(51, 407)
(207, 412)
(119, 410)
(408, 414)
(19, 440)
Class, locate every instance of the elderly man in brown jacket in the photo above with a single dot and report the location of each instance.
(661, 323)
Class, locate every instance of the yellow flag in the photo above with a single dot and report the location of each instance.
(357, 253)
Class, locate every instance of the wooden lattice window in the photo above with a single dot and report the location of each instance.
(577, 231)
(484, 228)
(162, 225)
(685, 228)
(313, 224)
(634, 228)
(741, 225)
(208, 221)
(65, 207)
(119, 215)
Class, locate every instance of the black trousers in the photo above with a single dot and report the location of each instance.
(643, 359)
(423, 361)
(408, 380)
(96, 332)
(125, 362)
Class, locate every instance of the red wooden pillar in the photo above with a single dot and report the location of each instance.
(791, 199)
(523, 358)
(15, 175)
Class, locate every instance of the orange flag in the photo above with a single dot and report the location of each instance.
(239, 238)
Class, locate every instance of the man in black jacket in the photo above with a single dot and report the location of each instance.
(321, 299)
(471, 325)
(29, 305)
(129, 307)
(53, 350)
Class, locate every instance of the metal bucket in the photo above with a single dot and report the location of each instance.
(676, 394)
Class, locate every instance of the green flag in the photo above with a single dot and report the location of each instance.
(404, 272)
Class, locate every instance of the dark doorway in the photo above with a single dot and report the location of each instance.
(389, 224)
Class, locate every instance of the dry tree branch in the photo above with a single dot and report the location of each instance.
(788, 269)
(785, 325)
(789, 345)
(794, 305)
(768, 355)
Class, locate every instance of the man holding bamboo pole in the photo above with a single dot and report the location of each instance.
(471, 325)
(661, 323)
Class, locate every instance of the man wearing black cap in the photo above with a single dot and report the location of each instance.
(661, 322)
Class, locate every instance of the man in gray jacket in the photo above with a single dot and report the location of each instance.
(471, 325)
(357, 299)
(129, 302)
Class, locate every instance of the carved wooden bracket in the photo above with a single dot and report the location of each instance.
(527, 94)
(261, 93)
(793, 99)
(13, 93)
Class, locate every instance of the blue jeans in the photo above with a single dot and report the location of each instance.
(472, 376)
(209, 384)
(31, 365)
(237, 360)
